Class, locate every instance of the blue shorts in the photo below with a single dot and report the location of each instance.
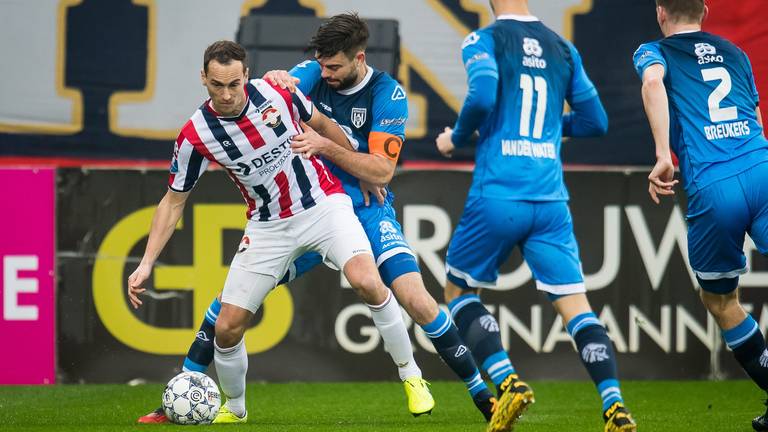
(392, 253)
(718, 217)
(393, 256)
(488, 231)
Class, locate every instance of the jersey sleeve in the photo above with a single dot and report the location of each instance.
(302, 106)
(580, 88)
(308, 73)
(753, 86)
(646, 55)
(187, 164)
(389, 116)
(478, 55)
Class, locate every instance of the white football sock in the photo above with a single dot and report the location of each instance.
(389, 321)
(231, 366)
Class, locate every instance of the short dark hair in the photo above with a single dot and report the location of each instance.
(223, 52)
(346, 33)
(683, 10)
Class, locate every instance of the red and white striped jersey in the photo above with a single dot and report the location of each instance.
(254, 148)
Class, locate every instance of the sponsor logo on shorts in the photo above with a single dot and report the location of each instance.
(244, 244)
(387, 227)
(594, 352)
(389, 233)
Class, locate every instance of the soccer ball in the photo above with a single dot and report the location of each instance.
(191, 398)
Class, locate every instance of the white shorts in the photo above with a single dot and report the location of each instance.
(330, 228)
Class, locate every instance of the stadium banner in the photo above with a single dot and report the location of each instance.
(129, 101)
(633, 252)
(27, 254)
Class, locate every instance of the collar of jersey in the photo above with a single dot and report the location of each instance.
(686, 32)
(525, 18)
(209, 107)
(360, 85)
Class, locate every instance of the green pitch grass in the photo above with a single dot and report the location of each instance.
(561, 406)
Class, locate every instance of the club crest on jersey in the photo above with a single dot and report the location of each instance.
(244, 244)
(358, 116)
(271, 117)
(707, 53)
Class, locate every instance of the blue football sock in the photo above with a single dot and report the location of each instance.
(200, 354)
(597, 355)
(479, 329)
(748, 346)
(445, 337)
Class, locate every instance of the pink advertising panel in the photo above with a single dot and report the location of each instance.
(27, 303)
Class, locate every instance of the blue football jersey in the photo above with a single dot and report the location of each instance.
(518, 151)
(712, 101)
(377, 104)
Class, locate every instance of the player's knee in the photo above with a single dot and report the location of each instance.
(366, 284)
(720, 305)
(228, 334)
(420, 306)
(455, 287)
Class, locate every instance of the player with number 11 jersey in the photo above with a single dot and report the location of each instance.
(520, 74)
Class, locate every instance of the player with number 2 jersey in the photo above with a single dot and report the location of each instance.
(700, 97)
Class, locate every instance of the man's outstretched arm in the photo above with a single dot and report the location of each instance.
(164, 221)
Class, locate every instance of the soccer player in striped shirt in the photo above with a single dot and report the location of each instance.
(247, 127)
(700, 97)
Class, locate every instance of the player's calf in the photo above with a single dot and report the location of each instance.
(740, 331)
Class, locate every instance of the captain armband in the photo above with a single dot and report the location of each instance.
(385, 144)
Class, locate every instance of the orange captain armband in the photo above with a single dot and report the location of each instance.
(385, 144)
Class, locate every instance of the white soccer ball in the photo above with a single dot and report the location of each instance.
(191, 398)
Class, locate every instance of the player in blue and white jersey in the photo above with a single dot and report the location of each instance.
(372, 108)
(700, 97)
(520, 73)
